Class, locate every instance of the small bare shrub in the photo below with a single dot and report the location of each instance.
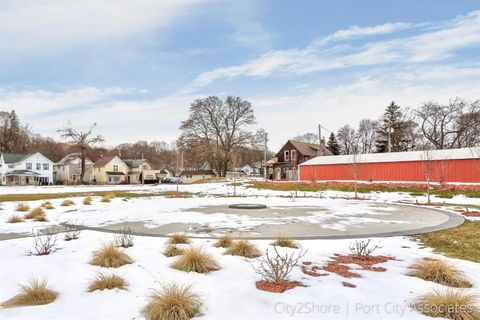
(277, 268)
(243, 248)
(87, 201)
(67, 203)
(107, 282)
(15, 219)
(450, 304)
(224, 241)
(439, 271)
(362, 249)
(285, 242)
(172, 250)
(110, 256)
(44, 242)
(195, 260)
(71, 231)
(124, 238)
(178, 239)
(22, 207)
(173, 302)
(35, 293)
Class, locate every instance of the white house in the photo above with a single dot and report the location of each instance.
(25, 169)
(250, 170)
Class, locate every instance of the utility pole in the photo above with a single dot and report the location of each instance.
(265, 156)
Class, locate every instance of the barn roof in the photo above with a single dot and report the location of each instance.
(308, 149)
(450, 154)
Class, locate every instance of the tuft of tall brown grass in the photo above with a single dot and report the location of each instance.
(439, 271)
(106, 198)
(36, 214)
(195, 260)
(47, 205)
(449, 304)
(35, 293)
(224, 241)
(173, 302)
(110, 256)
(107, 282)
(67, 203)
(178, 239)
(286, 242)
(172, 250)
(87, 201)
(243, 248)
(22, 207)
(15, 219)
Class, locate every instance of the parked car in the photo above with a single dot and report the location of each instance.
(171, 180)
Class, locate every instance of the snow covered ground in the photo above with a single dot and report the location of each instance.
(229, 293)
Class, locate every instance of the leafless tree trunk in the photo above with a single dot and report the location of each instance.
(356, 163)
(427, 158)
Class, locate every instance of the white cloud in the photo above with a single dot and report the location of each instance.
(433, 44)
(32, 102)
(48, 25)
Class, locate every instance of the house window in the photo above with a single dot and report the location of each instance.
(294, 155)
(39, 166)
(115, 168)
(145, 167)
(286, 155)
(29, 166)
(46, 166)
(11, 166)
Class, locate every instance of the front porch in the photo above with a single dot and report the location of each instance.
(24, 177)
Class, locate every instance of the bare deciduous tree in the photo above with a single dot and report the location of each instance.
(367, 135)
(215, 128)
(428, 166)
(44, 241)
(347, 139)
(451, 125)
(82, 141)
(356, 163)
(362, 249)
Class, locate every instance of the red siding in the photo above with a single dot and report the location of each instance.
(464, 170)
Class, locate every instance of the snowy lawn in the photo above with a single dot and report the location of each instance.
(229, 293)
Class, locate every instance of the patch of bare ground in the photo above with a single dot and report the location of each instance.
(274, 287)
(340, 264)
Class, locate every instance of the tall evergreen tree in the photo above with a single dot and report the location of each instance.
(395, 132)
(333, 145)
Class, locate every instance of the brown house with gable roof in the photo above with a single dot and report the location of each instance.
(292, 154)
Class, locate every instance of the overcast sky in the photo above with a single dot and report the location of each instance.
(134, 67)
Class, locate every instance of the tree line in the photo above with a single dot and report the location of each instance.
(432, 125)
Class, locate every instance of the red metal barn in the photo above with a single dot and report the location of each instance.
(446, 166)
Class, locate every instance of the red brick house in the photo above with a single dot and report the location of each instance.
(292, 154)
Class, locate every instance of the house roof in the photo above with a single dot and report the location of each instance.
(23, 173)
(115, 173)
(102, 161)
(449, 154)
(15, 157)
(196, 172)
(309, 149)
(135, 163)
(70, 158)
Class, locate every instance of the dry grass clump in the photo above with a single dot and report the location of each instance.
(36, 214)
(110, 256)
(195, 260)
(15, 219)
(178, 239)
(107, 282)
(47, 205)
(22, 207)
(106, 198)
(173, 302)
(35, 293)
(439, 271)
(224, 241)
(450, 304)
(87, 201)
(172, 250)
(243, 248)
(285, 242)
(67, 203)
